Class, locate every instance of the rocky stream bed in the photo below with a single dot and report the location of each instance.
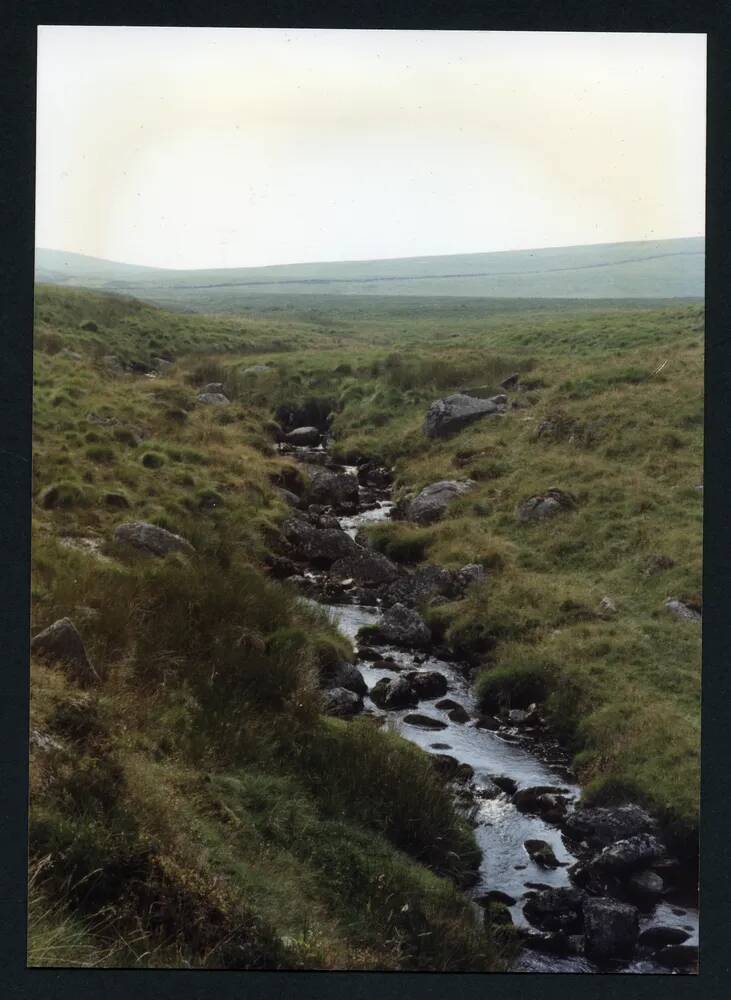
(589, 889)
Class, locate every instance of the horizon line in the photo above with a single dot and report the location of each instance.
(366, 260)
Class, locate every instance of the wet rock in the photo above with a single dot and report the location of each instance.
(488, 722)
(432, 503)
(402, 626)
(303, 437)
(451, 769)
(341, 703)
(447, 703)
(459, 715)
(427, 684)
(556, 909)
(682, 610)
(542, 800)
(611, 928)
(150, 538)
(440, 746)
(488, 789)
(675, 956)
(628, 855)
(506, 784)
(333, 489)
(387, 664)
(280, 567)
(497, 914)
(645, 888)
(345, 675)
(61, 643)
(524, 716)
(660, 936)
(419, 586)
(289, 498)
(604, 825)
(453, 413)
(545, 505)
(213, 398)
(393, 693)
(322, 546)
(541, 853)
(368, 654)
(496, 896)
(366, 567)
(374, 475)
(424, 721)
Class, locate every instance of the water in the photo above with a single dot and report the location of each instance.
(501, 830)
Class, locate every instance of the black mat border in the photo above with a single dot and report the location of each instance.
(17, 145)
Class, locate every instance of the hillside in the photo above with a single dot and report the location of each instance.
(650, 269)
(199, 769)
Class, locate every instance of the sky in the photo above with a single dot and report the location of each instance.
(236, 147)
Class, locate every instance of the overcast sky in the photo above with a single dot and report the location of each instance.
(188, 147)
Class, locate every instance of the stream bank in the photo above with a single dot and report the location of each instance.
(590, 890)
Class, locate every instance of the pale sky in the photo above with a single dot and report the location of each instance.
(233, 147)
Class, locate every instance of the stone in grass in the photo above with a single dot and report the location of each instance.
(341, 703)
(61, 643)
(542, 506)
(150, 538)
(213, 398)
(682, 610)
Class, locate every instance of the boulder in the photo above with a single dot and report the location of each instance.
(446, 704)
(459, 714)
(374, 475)
(390, 693)
(488, 789)
(660, 936)
(421, 585)
(427, 684)
(556, 909)
(510, 382)
(453, 413)
(432, 502)
(341, 703)
(291, 499)
(524, 716)
(61, 643)
(468, 575)
(366, 567)
(541, 800)
(451, 769)
(213, 398)
(344, 675)
(495, 896)
(628, 855)
(402, 626)
(645, 888)
(318, 545)
(681, 610)
(424, 721)
(611, 928)
(505, 784)
(541, 852)
(304, 437)
(603, 825)
(150, 538)
(333, 489)
(542, 506)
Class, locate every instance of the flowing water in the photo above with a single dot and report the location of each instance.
(501, 829)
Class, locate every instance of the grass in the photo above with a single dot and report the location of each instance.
(195, 809)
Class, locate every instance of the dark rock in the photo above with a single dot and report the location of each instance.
(541, 853)
(678, 955)
(541, 800)
(341, 702)
(645, 887)
(440, 746)
(487, 722)
(488, 789)
(150, 538)
(495, 896)
(451, 414)
(451, 769)
(432, 503)
(628, 855)
(459, 714)
(333, 489)
(524, 716)
(213, 398)
(289, 498)
(374, 475)
(390, 693)
(280, 567)
(506, 784)
(659, 936)
(497, 914)
(345, 675)
(388, 664)
(427, 684)
(216, 388)
(366, 567)
(510, 382)
(610, 928)
(424, 721)
(118, 501)
(548, 504)
(556, 909)
(421, 585)
(368, 654)
(322, 546)
(447, 703)
(61, 643)
(402, 626)
(470, 574)
(604, 825)
(303, 436)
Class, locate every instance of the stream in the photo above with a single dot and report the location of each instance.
(529, 757)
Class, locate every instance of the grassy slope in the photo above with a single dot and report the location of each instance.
(659, 268)
(194, 808)
(623, 689)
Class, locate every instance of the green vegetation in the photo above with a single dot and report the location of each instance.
(194, 808)
(200, 774)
